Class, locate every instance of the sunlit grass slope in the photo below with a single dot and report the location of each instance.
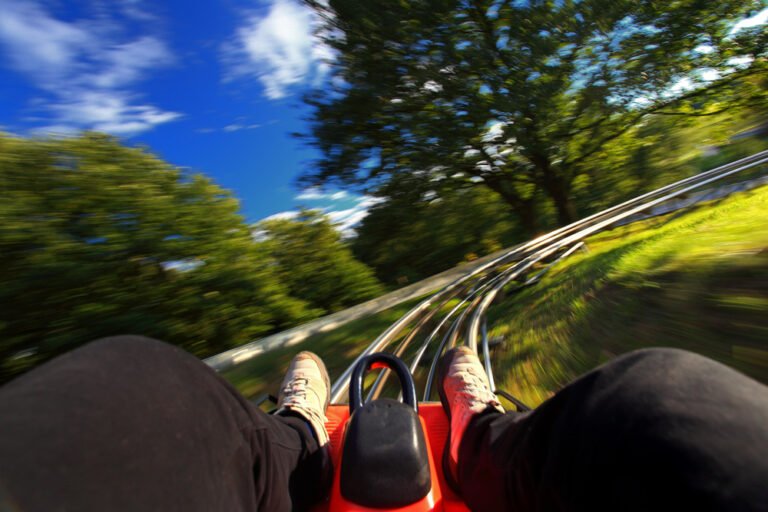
(696, 280)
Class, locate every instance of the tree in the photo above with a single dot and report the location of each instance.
(315, 264)
(662, 150)
(517, 96)
(416, 234)
(99, 239)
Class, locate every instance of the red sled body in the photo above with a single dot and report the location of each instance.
(387, 454)
(435, 424)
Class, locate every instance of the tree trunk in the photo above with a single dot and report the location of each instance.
(524, 210)
(557, 186)
(526, 214)
(566, 210)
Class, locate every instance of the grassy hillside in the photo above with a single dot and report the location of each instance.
(696, 280)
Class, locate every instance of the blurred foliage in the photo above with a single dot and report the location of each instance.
(409, 237)
(665, 149)
(98, 239)
(696, 280)
(479, 123)
(520, 97)
(315, 265)
(417, 232)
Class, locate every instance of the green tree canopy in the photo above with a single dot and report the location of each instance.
(416, 234)
(518, 96)
(99, 239)
(314, 263)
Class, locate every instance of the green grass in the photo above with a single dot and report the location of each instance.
(696, 280)
(338, 348)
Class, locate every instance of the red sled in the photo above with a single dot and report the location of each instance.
(386, 454)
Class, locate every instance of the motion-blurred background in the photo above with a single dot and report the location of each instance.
(214, 175)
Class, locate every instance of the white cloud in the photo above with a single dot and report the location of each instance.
(128, 62)
(85, 69)
(38, 44)
(316, 194)
(310, 194)
(280, 49)
(368, 201)
(287, 215)
(135, 9)
(111, 112)
(236, 127)
(347, 220)
(344, 220)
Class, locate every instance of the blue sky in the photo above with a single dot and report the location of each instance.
(214, 86)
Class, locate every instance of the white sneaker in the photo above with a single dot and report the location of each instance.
(306, 390)
(464, 392)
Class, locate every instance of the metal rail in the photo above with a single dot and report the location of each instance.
(483, 285)
(543, 253)
(341, 385)
(383, 376)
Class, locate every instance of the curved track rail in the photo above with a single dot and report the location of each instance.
(461, 306)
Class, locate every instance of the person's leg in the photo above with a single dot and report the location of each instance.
(656, 429)
(129, 423)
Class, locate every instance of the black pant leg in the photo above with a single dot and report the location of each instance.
(129, 423)
(657, 429)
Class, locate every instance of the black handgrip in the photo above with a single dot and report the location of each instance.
(393, 363)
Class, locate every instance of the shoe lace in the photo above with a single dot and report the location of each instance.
(474, 389)
(295, 390)
(295, 395)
